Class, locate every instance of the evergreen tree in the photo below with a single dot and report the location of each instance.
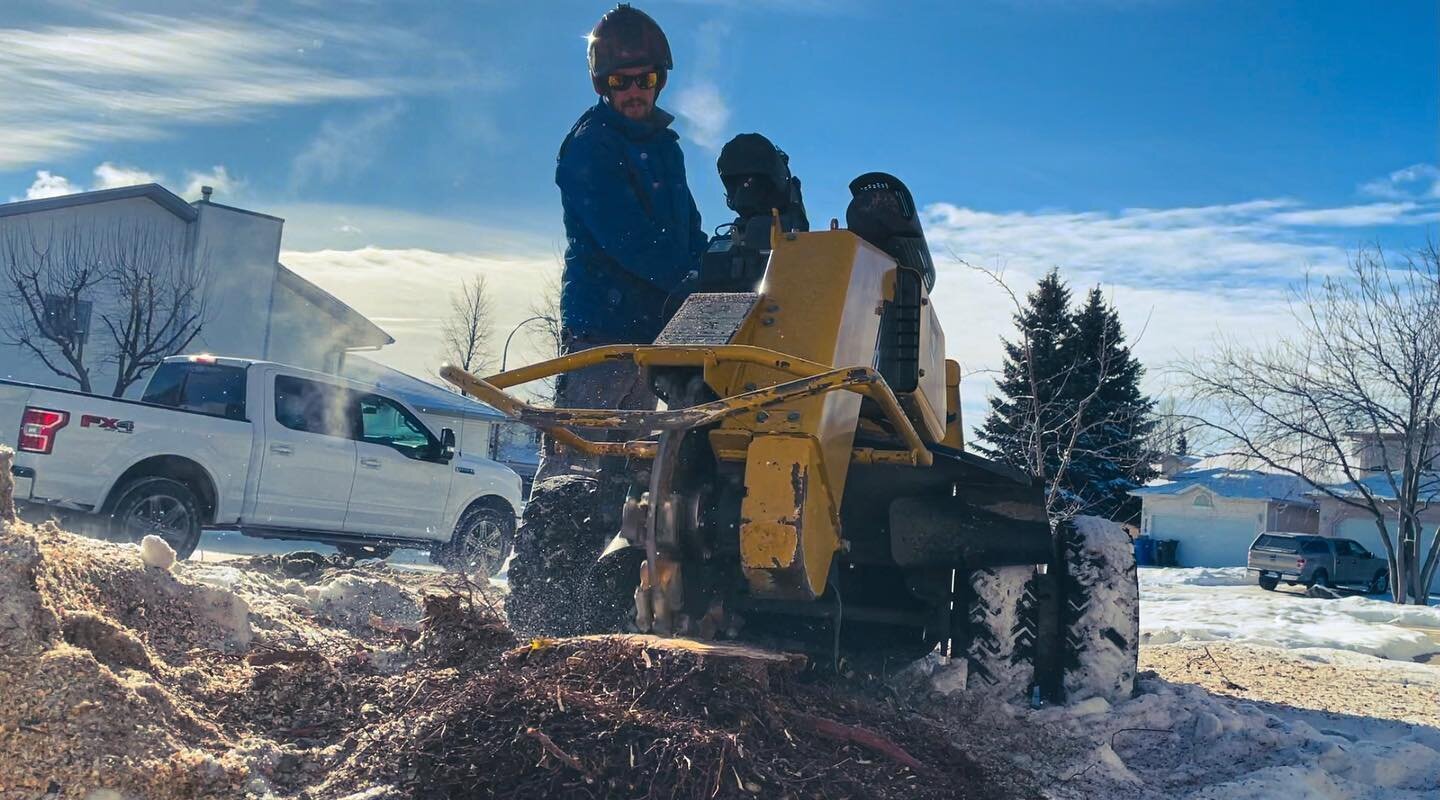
(1111, 415)
(1026, 417)
(1069, 404)
(1182, 446)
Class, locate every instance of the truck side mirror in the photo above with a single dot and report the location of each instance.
(447, 445)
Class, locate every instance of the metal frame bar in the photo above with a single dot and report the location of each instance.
(812, 379)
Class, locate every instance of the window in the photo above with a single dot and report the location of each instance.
(1315, 547)
(1345, 547)
(204, 388)
(1283, 544)
(65, 318)
(315, 407)
(1203, 500)
(385, 422)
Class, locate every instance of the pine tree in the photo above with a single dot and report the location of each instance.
(1069, 406)
(1182, 446)
(1025, 419)
(1111, 415)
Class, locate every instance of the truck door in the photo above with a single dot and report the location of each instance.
(308, 459)
(1348, 563)
(401, 487)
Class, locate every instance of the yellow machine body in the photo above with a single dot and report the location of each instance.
(822, 300)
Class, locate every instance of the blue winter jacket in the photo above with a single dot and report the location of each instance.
(632, 227)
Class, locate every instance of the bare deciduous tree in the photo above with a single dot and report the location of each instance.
(547, 340)
(1363, 363)
(466, 333)
(158, 301)
(136, 279)
(50, 279)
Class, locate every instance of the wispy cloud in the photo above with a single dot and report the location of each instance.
(66, 88)
(1414, 181)
(344, 146)
(110, 176)
(701, 105)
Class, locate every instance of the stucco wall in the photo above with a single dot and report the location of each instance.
(42, 228)
(302, 333)
(1338, 519)
(237, 252)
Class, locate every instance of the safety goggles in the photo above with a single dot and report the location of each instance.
(645, 80)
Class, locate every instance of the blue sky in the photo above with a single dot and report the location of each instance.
(1192, 157)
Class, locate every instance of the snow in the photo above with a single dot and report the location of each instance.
(1218, 604)
(156, 552)
(1105, 564)
(1178, 740)
(1237, 483)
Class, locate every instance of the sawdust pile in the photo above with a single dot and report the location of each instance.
(305, 676)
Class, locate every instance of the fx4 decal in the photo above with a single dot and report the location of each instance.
(107, 423)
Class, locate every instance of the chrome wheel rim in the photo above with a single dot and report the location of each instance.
(162, 515)
(483, 546)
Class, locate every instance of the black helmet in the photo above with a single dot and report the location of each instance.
(627, 37)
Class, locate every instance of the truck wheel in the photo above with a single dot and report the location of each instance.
(1269, 582)
(1004, 620)
(480, 544)
(361, 551)
(561, 536)
(1100, 614)
(164, 507)
(1380, 583)
(1321, 578)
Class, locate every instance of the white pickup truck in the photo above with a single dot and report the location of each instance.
(270, 450)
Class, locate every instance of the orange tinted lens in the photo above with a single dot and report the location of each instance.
(617, 81)
(647, 81)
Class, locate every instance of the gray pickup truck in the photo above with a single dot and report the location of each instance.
(1305, 558)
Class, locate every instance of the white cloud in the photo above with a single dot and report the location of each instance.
(217, 178)
(67, 88)
(1359, 216)
(706, 115)
(111, 176)
(407, 292)
(344, 147)
(48, 184)
(1414, 181)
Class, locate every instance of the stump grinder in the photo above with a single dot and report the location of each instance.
(807, 483)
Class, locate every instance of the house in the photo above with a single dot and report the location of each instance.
(253, 306)
(1215, 511)
(1371, 454)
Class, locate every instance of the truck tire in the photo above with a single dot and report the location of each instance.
(1379, 583)
(1100, 613)
(1269, 582)
(480, 544)
(560, 538)
(164, 507)
(1004, 631)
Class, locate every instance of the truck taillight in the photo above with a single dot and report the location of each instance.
(1299, 563)
(38, 428)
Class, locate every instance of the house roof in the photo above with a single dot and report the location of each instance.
(1379, 486)
(364, 332)
(163, 197)
(1240, 484)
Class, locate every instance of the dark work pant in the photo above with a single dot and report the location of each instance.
(615, 384)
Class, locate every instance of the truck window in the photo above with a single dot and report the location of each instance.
(1282, 543)
(385, 422)
(1314, 547)
(315, 407)
(212, 389)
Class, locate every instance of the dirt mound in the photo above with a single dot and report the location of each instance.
(640, 717)
(333, 680)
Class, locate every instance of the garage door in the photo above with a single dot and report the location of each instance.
(1207, 540)
(1363, 531)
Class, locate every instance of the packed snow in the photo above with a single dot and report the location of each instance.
(1219, 604)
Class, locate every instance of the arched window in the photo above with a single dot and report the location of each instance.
(1203, 500)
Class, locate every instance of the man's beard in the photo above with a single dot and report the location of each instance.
(635, 107)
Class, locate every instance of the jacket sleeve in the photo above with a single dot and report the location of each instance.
(595, 188)
(699, 241)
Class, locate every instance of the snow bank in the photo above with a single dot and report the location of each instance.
(1178, 740)
(1202, 605)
